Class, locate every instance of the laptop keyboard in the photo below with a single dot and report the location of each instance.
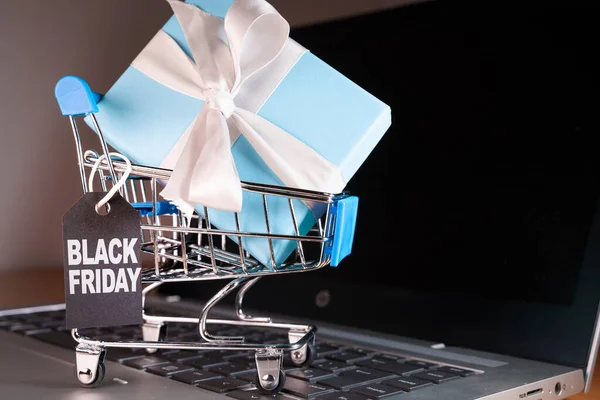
(339, 371)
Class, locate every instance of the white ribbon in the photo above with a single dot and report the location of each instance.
(238, 63)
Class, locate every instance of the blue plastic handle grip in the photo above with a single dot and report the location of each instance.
(75, 98)
(162, 208)
(346, 212)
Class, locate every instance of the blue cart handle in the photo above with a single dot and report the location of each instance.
(75, 98)
(346, 212)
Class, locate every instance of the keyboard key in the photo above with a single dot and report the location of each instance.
(231, 369)
(222, 384)
(53, 323)
(336, 345)
(144, 362)
(385, 356)
(325, 350)
(422, 364)
(310, 374)
(276, 339)
(194, 376)
(120, 353)
(219, 354)
(348, 356)
(276, 335)
(377, 390)
(255, 338)
(337, 382)
(211, 327)
(20, 328)
(231, 332)
(168, 352)
(304, 389)
(239, 355)
(184, 336)
(62, 339)
(204, 361)
(37, 318)
(14, 317)
(246, 359)
(456, 371)
(332, 365)
(181, 355)
(247, 376)
(435, 376)
(6, 323)
(407, 383)
(174, 334)
(355, 377)
(256, 395)
(392, 366)
(343, 396)
(60, 314)
(36, 331)
(173, 327)
(365, 352)
(168, 369)
(365, 375)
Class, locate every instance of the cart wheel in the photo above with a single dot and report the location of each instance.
(154, 333)
(311, 353)
(83, 377)
(274, 389)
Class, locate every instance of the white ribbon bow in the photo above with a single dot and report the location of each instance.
(231, 57)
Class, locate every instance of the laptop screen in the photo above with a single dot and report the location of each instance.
(477, 207)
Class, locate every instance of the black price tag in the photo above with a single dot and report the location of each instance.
(103, 284)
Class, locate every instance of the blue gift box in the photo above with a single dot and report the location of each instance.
(342, 122)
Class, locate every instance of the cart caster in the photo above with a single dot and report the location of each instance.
(270, 376)
(306, 354)
(267, 385)
(153, 332)
(88, 380)
(89, 367)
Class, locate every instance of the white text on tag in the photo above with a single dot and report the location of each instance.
(103, 280)
(118, 251)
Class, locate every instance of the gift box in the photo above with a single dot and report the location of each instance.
(223, 94)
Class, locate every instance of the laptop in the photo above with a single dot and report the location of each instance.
(474, 269)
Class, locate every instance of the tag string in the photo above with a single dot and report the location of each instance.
(117, 185)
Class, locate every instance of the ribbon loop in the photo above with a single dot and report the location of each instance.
(257, 33)
(206, 37)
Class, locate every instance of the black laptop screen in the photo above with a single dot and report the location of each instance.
(488, 181)
(476, 208)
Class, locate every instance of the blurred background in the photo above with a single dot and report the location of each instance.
(43, 41)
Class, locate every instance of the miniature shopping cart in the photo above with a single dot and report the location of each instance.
(191, 249)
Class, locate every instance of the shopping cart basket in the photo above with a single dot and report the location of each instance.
(191, 249)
